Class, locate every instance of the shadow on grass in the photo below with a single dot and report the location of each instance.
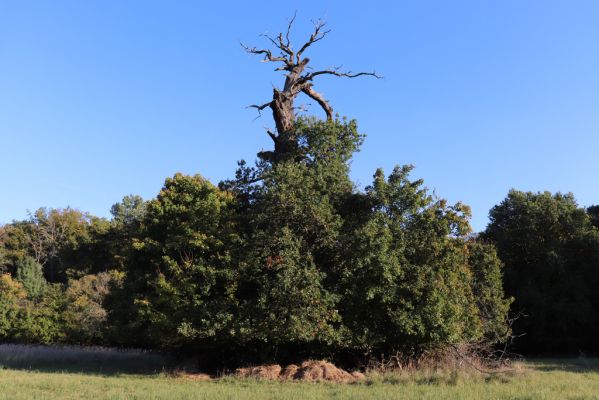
(580, 364)
(86, 360)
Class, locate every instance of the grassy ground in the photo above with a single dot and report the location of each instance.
(108, 374)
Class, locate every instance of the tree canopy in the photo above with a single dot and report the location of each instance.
(551, 253)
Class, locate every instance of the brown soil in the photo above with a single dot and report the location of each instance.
(309, 371)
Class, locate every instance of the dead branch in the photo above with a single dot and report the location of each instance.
(259, 107)
(307, 89)
(267, 53)
(297, 81)
(335, 71)
(315, 37)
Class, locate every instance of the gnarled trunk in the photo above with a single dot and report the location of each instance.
(296, 81)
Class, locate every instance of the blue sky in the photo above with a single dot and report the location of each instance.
(102, 99)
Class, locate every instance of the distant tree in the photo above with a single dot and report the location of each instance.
(129, 211)
(41, 322)
(4, 258)
(26, 321)
(66, 242)
(12, 297)
(52, 229)
(31, 276)
(14, 245)
(593, 212)
(551, 256)
(85, 316)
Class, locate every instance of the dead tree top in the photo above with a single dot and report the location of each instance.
(297, 80)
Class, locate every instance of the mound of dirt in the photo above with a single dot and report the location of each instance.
(309, 371)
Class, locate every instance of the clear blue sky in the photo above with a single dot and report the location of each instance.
(107, 98)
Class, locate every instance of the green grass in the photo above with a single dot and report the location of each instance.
(106, 374)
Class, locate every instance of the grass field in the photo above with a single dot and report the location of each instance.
(67, 373)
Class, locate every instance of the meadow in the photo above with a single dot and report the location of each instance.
(97, 373)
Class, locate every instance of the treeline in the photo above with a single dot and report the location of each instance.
(291, 260)
(550, 248)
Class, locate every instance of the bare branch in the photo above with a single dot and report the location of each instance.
(272, 135)
(288, 44)
(315, 37)
(278, 43)
(259, 107)
(267, 54)
(335, 71)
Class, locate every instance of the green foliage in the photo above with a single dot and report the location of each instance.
(85, 316)
(593, 212)
(31, 276)
(286, 285)
(66, 242)
(180, 280)
(129, 211)
(12, 297)
(42, 321)
(407, 281)
(287, 260)
(487, 287)
(22, 320)
(379, 271)
(283, 296)
(551, 254)
(15, 242)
